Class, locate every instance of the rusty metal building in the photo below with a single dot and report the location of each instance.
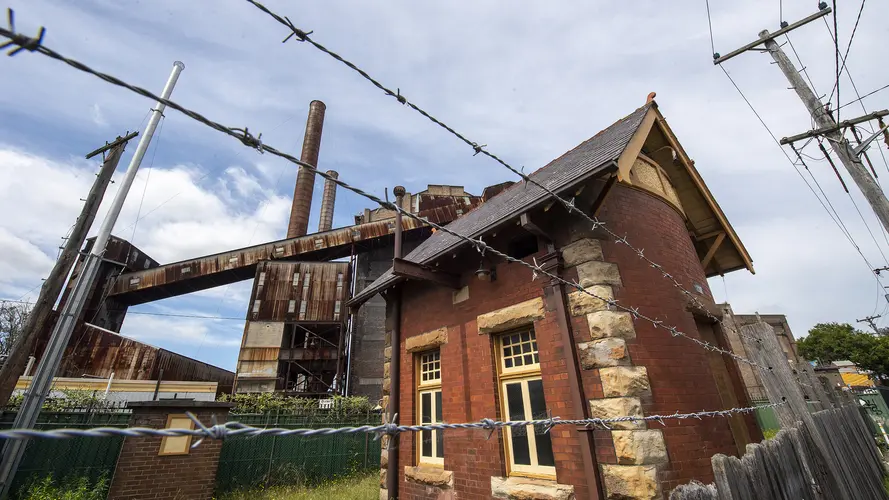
(298, 338)
(96, 350)
(294, 336)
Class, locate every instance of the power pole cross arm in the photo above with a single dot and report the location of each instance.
(823, 120)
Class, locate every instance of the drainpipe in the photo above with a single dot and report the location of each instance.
(393, 303)
(555, 294)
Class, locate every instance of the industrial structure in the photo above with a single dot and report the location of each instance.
(299, 336)
(477, 337)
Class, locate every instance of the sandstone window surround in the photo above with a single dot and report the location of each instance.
(529, 450)
(430, 444)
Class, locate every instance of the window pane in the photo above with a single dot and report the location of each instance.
(426, 446)
(425, 408)
(538, 412)
(538, 403)
(544, 448)
(514, 401)
(521, 453)
(437, 406)
(439, 444)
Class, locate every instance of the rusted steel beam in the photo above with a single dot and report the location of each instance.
(408, 269)
(224, 268)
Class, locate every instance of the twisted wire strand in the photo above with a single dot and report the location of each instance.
(255, 142)
(232, 429)
(303, 36)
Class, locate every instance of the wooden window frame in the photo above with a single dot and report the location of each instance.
(522, 375)
(183, 439)
(431, 387)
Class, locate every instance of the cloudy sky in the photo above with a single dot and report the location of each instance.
(529, 79)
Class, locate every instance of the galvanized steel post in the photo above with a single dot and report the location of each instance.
(70, 314)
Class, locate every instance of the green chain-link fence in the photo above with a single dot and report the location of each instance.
(252, 462)
(69, 458)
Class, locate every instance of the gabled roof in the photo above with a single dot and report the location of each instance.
(575, 166)
(645, 131)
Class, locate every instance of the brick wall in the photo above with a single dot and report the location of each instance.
(142, 474)
(679, 371)
(469, 381)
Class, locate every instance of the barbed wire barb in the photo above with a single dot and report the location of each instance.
(22, 42)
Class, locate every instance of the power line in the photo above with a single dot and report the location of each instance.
(884, 87)
(836, 220)
(710, 25)
(846, 55)
(148, 313)
(255, 142)
(836, 44)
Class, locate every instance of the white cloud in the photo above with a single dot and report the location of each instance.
(185, 332)
(531, 80)
(97, 116)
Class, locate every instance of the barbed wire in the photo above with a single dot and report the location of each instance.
(246, 138)
(303, 36)
(233, 429)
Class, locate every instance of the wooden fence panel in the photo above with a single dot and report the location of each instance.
(694, 491)
(828, 454)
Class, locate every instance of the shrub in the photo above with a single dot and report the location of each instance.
(267, 402)
(73, 488)
(71, 399)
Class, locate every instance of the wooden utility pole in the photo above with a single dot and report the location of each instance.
(863, 179)
(826, 125)
(870, 321)
(39, 318)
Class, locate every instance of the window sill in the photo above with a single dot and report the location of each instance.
(533, 475)
(520, 487)
(430, 475)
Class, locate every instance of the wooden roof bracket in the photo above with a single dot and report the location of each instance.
(528, 225)
(713, 248)
(603, 195)
(408, 269)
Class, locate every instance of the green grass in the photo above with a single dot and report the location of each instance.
(354, 488)
(770, 433)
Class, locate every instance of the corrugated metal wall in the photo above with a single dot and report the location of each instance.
(308, 293)
(98, 353)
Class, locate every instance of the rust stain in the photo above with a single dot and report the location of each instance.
(237, 265)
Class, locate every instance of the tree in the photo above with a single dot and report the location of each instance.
(828, 342)
(12, 322)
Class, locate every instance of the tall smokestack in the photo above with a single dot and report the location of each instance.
(328, 199)
(305, 178)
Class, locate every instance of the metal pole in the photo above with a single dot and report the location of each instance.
(130, 175)
(868, 186)
(393, 307)
(40, 318)
(73, 308)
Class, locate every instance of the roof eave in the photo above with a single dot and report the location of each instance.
(369, 292)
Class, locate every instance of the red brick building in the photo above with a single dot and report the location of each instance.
(478, 338)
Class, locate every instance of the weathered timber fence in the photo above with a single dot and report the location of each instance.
(828, 454)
